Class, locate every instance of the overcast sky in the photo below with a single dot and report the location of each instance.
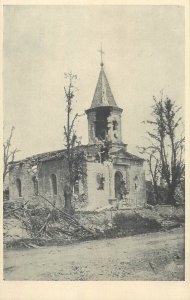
(144, 53)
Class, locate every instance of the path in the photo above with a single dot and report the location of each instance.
(153, 256)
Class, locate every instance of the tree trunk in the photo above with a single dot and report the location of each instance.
(68, 198)
(171, 192)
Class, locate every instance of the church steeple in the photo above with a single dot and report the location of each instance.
(103, 95)
(104, 116)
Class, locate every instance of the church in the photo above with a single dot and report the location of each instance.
(116, 179)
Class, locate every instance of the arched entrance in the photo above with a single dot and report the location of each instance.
(118, 185)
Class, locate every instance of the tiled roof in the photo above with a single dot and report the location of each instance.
(60, 153)
(45, 156)
(42, 156)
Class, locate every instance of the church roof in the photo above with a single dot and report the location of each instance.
(128, 155)
(41, 157)
(103, 95)
(46, 156)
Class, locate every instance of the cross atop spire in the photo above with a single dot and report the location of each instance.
(101, 55)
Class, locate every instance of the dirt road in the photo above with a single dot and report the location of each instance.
(153, 256)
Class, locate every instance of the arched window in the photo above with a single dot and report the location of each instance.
(35, 185)
(118, 185)
(18, 185)
(115, 125)
(136, 182)
(54, 184)
(76, 187)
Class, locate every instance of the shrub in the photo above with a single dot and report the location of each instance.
(134, 224)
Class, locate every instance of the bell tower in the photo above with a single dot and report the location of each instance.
(104, 116)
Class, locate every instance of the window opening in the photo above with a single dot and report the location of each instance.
(18, 185)
(100, 180)
(35, 185)
(54, 183)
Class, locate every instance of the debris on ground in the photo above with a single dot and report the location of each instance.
(23, 221)
(33, 225)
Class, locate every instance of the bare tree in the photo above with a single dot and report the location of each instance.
(8, 153)
(74, 153)
(166, 145)
(154, 169)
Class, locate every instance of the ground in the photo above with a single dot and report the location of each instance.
(152, 256)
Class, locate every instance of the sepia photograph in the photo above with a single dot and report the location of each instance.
(93, 143)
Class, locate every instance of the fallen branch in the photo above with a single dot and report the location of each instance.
(69, 217)
(44, 224)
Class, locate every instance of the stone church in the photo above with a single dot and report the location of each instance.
(118, 179)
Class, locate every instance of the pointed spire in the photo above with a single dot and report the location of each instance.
(103, 95)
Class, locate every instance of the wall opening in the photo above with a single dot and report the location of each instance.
(119, 188)
(115, 125)
(19, 187)
(35, 185)
(54, 184)
(101, 124)
(136, 182)
(76, 186)
(100, 181)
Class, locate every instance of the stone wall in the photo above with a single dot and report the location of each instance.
(21, 171)
(59, 169)
(96, 188)
(47, 168)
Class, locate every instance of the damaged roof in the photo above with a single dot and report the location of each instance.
(42, 156)
(60, 154)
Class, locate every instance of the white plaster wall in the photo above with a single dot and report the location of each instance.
(97, 198)
(138, 196)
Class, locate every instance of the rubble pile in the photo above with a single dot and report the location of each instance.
(37, 222)
(31, 225)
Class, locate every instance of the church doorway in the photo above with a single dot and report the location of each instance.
(118, 185)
